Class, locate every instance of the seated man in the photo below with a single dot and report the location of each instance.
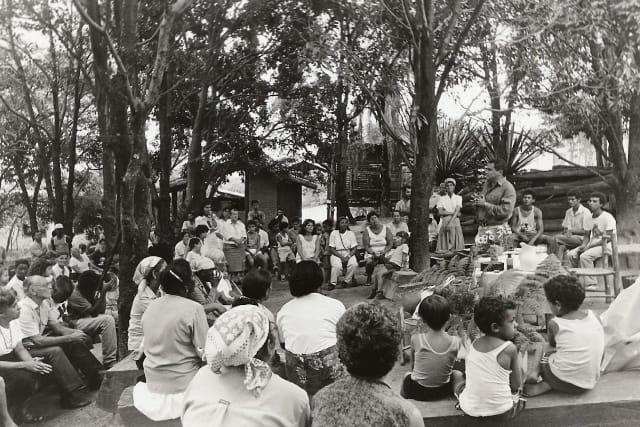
(527, 225)
(604, 224)
(61, 347)
(577, 223)
(86, 306)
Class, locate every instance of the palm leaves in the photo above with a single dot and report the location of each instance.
(460, 154)
(520, 147)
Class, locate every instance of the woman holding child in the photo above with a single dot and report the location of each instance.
(377, 241)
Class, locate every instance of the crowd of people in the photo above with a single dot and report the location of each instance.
(209, 348)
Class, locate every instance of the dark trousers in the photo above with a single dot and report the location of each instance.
(20, 384)
(65, 359)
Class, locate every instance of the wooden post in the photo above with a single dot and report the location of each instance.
(617, 281)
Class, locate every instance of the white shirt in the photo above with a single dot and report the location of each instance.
(80, 266)
(10, 337)
(56, 270)
(342, 242)
(307, 324)
(180, 250)
(139, 306)
(580, 220)
(204, 220)
(401, 226)
(397, 255)
(264, 238)
(603, 223)
(449, 203)
(34, 318)
(16, 285)
(230, 230)
(223, 400)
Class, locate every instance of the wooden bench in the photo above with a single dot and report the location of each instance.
(614, 402)
(122, 375)
(130, 416)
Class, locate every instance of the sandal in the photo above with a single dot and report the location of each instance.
(25, 417)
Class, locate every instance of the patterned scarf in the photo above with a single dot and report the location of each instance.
(234, 339)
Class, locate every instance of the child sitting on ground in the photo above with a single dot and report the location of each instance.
(285, 253)
(433, 353)
(576, 338)
(492, 364)
(398, 260)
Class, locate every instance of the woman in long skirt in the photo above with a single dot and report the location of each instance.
(450, 236)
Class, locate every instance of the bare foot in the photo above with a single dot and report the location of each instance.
(536, 389)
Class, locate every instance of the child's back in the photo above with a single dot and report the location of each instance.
(487, 391)
(434, 357)
(579, 349)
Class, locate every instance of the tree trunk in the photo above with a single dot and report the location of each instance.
(194, 169)
(164, 228)
(385, 179)
(71, 153)
(628, 215)
(134, 222)
(341, 195)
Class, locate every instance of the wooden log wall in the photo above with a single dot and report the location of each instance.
(551, 189)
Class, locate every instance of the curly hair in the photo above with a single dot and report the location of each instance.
(566, 290)
(303, 229)
(490, 310)
(368, 340)
(39, 267)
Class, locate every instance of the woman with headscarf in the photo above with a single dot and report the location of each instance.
(175, 331)
(450, 236)
(237, 387)
(146, 277)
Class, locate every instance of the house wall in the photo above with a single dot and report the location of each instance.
(289, 199)
(262, 187)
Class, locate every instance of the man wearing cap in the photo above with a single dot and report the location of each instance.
(495, 204)
(60, 242)
(450, 236)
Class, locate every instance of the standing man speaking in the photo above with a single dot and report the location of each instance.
(494, 206)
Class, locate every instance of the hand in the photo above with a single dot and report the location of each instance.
(38, 367)
(479, 200)
(567, 232)
(78, 337)
(581, 249)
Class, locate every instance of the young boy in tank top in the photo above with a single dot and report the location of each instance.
(433, 353)
(576, 340)
(493, 374)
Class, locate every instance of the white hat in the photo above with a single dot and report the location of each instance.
(58, 225)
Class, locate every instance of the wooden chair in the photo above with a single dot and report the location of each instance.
(607, 273)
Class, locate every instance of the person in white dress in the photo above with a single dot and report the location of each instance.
(308, 242)
(450, 236)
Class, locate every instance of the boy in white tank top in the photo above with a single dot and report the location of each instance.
(576, 340)
(493, 374)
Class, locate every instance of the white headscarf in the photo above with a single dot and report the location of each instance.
(143, 269)
(234, 339)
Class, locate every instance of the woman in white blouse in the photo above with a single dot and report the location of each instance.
(450, 236)
(342, 246)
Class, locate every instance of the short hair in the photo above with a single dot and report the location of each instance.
(233, 210)
(371, 214)
(340, 218)
(252, 222)
(7, 297)
(395, 211)
(184, 233)
(20, 262)
(368, 340)
(490, 310)
(566, 290)
(29, 281)
(205, 203)
(193, 242)
(88, 284)
(403, 234)
(406, 187)
(82, 247)
(434, 310)
(64, 285)
(176, 278)
(39, 267)
(59, 254)
(328, 222)
(201, 229)
(499, 165)
(304, 225)
(256, 284)
(295, 220)
(254, 201)
(574, 193)
(283, 225)
(305, 278)
(242, 300)
(530, 193)
(600, 196)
